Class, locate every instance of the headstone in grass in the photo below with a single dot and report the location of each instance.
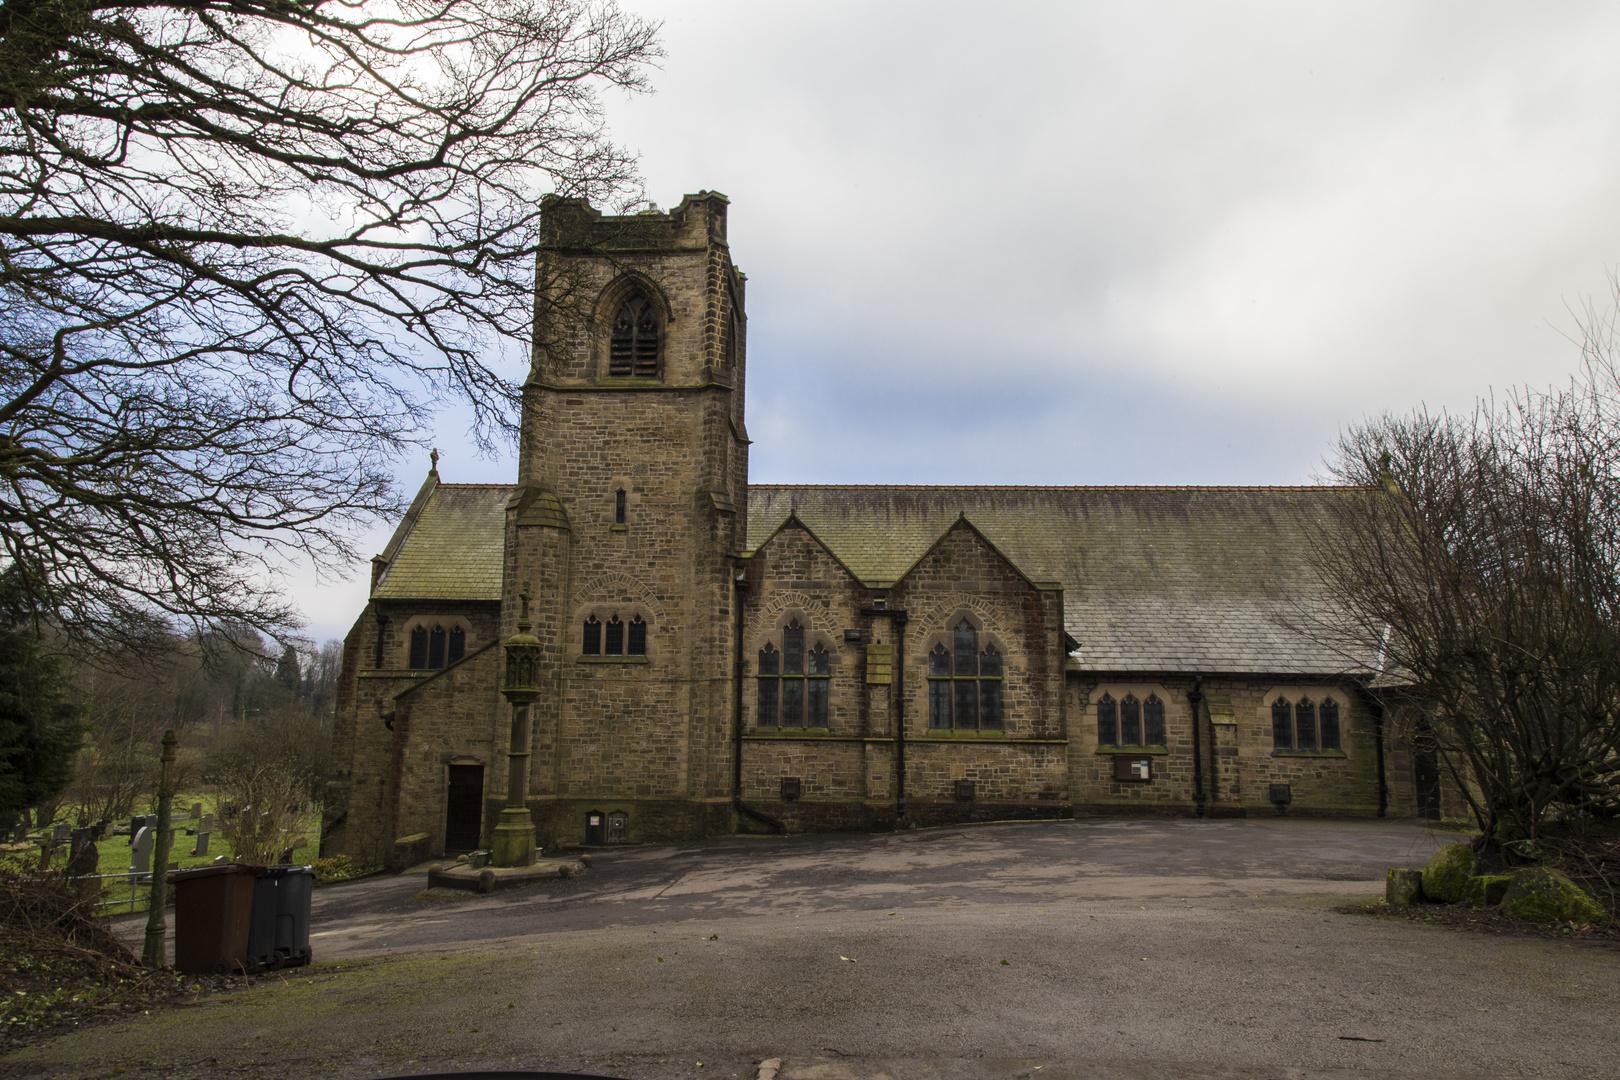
(196, 811)
(62, 832)
(140, 856)
(205, 828)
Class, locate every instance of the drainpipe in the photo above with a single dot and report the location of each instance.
(1376, 707)
(899, 622)
(737, 717)
(1194, 697)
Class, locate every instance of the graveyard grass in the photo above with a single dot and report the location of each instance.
(114, 853)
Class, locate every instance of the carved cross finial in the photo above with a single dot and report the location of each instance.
(434, 458)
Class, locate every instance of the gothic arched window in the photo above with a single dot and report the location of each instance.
(793, 683)
(1107, 721)
(1305, 724)
(458, 645)
(1130, 722)
(1330, 724)
(436, 647)
(964, 684)
(593, 637)
(1282, 724)
(634, 347)
(419, 647)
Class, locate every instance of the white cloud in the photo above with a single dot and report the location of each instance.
(1128, 243)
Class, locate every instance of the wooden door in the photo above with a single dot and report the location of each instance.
(464, 808)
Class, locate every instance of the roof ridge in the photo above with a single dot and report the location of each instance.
(1071, 487)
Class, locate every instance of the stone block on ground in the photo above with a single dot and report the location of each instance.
(408, 851)
(1541, 894)
(1486, 890)
(1403, 887)
(1447, 873)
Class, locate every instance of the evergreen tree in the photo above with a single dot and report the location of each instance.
(40, 729)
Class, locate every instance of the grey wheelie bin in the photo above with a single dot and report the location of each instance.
(278, 933)
(212, 909)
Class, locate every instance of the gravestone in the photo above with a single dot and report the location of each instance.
(86, 858)
(196, 811)
(204, 828)
(80, 838)
(61, 832)
(98, 831)
(140, 855)
(135, 824)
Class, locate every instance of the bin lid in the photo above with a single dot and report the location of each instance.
(285, 871)
(213, 870)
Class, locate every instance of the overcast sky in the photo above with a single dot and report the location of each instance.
(1130, 243)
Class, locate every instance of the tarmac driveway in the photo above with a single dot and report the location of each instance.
(1071, 949)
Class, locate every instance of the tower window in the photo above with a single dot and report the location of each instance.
(793, 683)
(964, 684)
(615, 637)
(634, 348)
(458, 645)
(436, 648)
(593, 637)
(618, 507)
(638, 638)
(419, 647)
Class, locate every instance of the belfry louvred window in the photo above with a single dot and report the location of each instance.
(793, 682)
(964, 683)
(634, 347)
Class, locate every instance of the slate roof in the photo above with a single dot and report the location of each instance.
(449, 545)
(1155, 579)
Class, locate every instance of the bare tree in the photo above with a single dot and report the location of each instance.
(1482, 562)
(245, 247)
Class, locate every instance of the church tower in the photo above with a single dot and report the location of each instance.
(629, 513)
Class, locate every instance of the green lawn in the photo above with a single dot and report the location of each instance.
(115, 852)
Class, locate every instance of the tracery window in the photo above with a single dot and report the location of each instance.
(964, 683)
(1129, 722)
(1305, 725)
(436, 648)
(621, 639)
(793, 682)
(634, 347)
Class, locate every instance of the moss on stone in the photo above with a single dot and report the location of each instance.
(1540, 894)
(1447, 873)
(1486, 890)
(1403, 886)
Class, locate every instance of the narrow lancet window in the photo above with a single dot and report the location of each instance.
(419, 647)
(436, 648)
(1282, 725)
(638, 638)
(1330, 724)
(615, 637)
(1153, 733)
(1130, 722)
(593, 637)
(1107, 722)
(458, 645)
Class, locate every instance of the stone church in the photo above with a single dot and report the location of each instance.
(722, 657)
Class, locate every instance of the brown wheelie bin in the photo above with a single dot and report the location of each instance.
(213, 907)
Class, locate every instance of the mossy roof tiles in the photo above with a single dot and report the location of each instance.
(450, 546)
(1154, 579)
